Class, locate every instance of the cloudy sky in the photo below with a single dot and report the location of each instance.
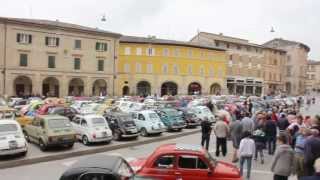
(297, 20)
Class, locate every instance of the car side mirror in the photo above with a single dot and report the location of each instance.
(210, 173)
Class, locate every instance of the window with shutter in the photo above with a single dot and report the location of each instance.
(97, 46)
(51, 62)
(100, 65)
(30, 38)
(24, 38)
(18, 37)
(76, 63)
(47, 41)
(105, 46)
(23, 60)
(57, 41)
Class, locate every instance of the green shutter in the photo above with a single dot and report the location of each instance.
(18, 37)
(105, 46)
(97, 46)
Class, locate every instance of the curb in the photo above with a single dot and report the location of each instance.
(23, 162)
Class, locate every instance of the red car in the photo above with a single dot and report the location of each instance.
(184, 162)
(43, 110)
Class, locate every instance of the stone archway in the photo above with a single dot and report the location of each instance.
(50, 87)
(22, 86)
(125, 91)
(143, 88)
(76, 87)
(169, 88)
(194, 88)
(215, 89)
(99, 87)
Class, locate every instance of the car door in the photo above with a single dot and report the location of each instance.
(31, 129)
(192, 167)
(164, 167)
(84, 127)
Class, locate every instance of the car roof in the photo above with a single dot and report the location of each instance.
(89, 115)
(180, 148)
(8, 121)
(53, 116)
(109, 162)
(118, 114)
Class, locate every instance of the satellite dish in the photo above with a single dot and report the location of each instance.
(272, 30)
(104, 18)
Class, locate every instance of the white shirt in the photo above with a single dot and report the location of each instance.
(247, 147)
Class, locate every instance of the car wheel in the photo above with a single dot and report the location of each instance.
(26, 135)
(117, 136)
(144, 132)
(85, 140)
(24, 153)
(180, 129)
(43, 146)
(70, 145)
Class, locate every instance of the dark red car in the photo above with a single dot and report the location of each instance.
(43, 110)
(182, 161)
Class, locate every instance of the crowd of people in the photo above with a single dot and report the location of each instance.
(291, 138)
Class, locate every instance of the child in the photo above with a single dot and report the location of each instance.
(260, 139)
(246, 150)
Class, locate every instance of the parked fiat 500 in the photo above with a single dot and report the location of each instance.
(92, 128)
(68, 112)
(122, 125)
(148, 122)
(12, 140)
(171, 119)
(50, 130)
(183, 161)
(203, 111)
(189, 117)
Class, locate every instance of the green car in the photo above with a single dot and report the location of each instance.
(50, 130)
(171, 119)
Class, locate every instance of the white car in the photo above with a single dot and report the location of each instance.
(148, 122)
(92, 128)
(203, 111)
(12, 140)
(79, 104)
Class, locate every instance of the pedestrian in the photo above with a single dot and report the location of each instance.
(283, 122)
(246, 150)
(299, 151)
(259, 137)
(247, 123)
(271, 134)
(235, 133)
(283, 161)
(311, 151)
(206, 132)
(250, 106)
(221, 130)
(294, 129)
(316, 175)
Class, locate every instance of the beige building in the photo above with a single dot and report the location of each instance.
(252, 69)
(55, 58)
(296, 64)
(313, 76)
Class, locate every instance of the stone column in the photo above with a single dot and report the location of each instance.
(87, 86)
(63, 86)
(36, 84)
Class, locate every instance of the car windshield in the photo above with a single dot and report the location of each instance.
(59, 123)
(171, 113)
(153, 116)
(8, 128)
(207, 111)
(125, 118)
(98, 122)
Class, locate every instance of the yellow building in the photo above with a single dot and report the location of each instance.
(150, 66)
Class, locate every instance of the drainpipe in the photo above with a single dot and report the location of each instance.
(114, 66)
(4, 59)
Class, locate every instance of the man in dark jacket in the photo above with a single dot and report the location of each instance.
(206, 132)
(271, 134)
(311, 151)
(283, 122)
(316, 175)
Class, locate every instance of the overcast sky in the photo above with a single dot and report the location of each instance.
(297, 20)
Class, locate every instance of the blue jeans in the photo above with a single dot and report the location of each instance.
(242, 160)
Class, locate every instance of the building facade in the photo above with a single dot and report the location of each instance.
(313, 76)
(296, 64)
(252, 69)
(53, 58)
(150, 66)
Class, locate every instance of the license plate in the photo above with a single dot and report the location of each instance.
(13, 145)
(133, 131)
(104, 134)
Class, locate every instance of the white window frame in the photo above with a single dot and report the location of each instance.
(138, 51)
(126, 68)
(138, 68)
(24, 38)
(175, 69)
(127, 50)
(165, 69)
(150, 51)
(149, 68)
(52, 41)
(190, 69)
(166, 52)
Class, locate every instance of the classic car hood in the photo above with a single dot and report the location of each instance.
(137, 164)
(226, 170)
